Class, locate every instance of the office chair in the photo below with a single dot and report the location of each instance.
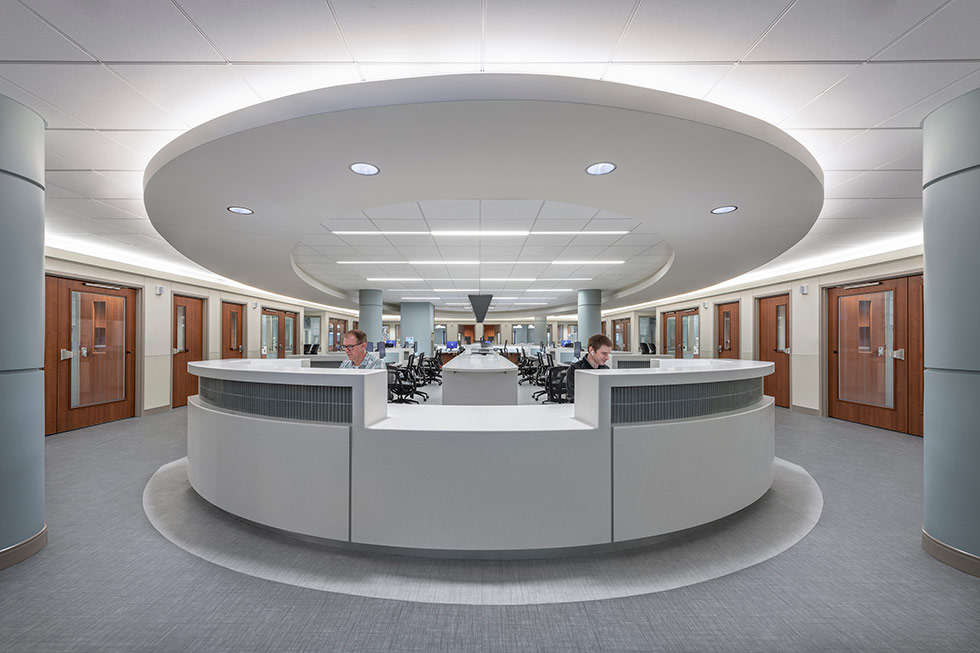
(314, 349)
(306, 348)
(644, 348)
(400, 387)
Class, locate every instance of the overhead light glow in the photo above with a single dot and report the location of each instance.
(241, 210)
(601, 168)
(587, 262)
(408, 262)
(724, 209)
(366, 169)
(579, 233)
(479, 233)
(380, 233)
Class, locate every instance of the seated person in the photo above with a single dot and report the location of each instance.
(358, 357)
(595, 359)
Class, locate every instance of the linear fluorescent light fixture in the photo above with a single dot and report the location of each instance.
(579, 233)
(455, 290)
(476, 232)
(380, 233)
(480, 233)
(408, 262)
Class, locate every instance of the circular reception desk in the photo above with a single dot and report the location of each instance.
(642, 454)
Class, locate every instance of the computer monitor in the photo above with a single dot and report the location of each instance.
(415, 346)
(578, 349)
(566, 343)
(369, 345)
(389, 343)
(409, 340)
(381, 349)
(452, 344)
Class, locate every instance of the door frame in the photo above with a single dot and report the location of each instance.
(242, 349)
(736, 346)
(757, 345)
(678, 330)
(173, 338)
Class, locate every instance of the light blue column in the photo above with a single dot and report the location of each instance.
(589, 316)
(541, 329)
(951, 203)
(369, 316)
(418, 320)
(22, 529)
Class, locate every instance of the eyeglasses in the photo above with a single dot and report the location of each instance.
(350, 347)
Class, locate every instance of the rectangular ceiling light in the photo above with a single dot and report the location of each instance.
(380, 233)
(480, 233)
(455, 290)
(578, 233)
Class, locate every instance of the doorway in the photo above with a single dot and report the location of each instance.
(232, 330)
(774, 346)
(188, 346)
(278, 333)
(89, 354)
(468, 332)
(682, 333)
(336, 328)
(726, 326)
(490, 332)
(621, 334)
(876, 353)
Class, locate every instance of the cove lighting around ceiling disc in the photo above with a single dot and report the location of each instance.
(724, 209)
(601, 168)
(240, 210)
(366, 169)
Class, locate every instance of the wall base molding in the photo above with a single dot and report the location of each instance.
(20, 552)
(154, 411)
(951, 556)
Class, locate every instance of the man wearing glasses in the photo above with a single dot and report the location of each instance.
(358, 358)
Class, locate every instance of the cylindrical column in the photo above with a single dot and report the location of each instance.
(589, 316)
(369, 315)
(418, 319)
(22, 529)
(951, 196)
(541, 330)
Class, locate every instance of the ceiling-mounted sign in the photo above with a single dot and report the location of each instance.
(480, 304)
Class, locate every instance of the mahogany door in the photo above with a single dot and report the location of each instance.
(188, 346)
(726, 327)
(90, 361)
(774, 346)
(336, 328)
(232, 330)
(682, 333)
(278, 333)
(869, 366)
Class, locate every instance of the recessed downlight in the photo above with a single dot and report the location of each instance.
(601, 168)
(366, 169)
(240, 210)
(724, 209)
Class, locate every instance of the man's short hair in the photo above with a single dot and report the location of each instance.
(598, 340)
(362, 337)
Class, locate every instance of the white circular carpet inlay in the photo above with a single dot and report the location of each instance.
(765, 529)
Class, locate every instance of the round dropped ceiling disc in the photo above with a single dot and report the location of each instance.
(482, 137)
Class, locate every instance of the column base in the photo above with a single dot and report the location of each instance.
(948, 555)
(20, 552)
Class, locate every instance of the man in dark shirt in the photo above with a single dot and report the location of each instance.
(598, 354)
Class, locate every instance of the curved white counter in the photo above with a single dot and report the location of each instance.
(642, 454)
(477, 379)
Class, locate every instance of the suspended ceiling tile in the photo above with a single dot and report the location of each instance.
(77, 226)
(132, 226)
(441, 30)
(145, 143)
(91, 150)
(509, 209)
(132, 206)
(55, 161)
(882, 208)
(834, 30)
(773, 92)
(873, 148)
(451, 209)
(128, 30)
(709, 30)
(272, 81)
(373, 72)
(692, 80)
(876, 92)
(405, 224)
(950, 33)
(53, 116)
(257, 30)
(818, 141)
(554, 30)
(53, 191)
(406, 211)
(91, 184)
(914, 115)
(193, 93)
(89, 208)
(878, 183)
(564, 211)
(27, 38)
(91, 94)
(588, 70)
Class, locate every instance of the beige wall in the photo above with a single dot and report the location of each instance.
(154, 317)
(807, 317)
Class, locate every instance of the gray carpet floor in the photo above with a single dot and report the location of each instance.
(108, 581)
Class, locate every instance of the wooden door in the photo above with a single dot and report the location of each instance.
(188, 346)
(469, 333)
(621, 334)
(90, 359)
(774, 345)
(682, 333)
(726, 326)
(232, 330)
(870, 351)
(278, 333)
(336, 328)
(490, 331)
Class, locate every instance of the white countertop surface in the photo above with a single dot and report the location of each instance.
(550, 417)
(281, 370)
(479, 363)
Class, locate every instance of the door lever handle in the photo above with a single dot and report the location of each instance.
(899, 354)
(66, 354)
